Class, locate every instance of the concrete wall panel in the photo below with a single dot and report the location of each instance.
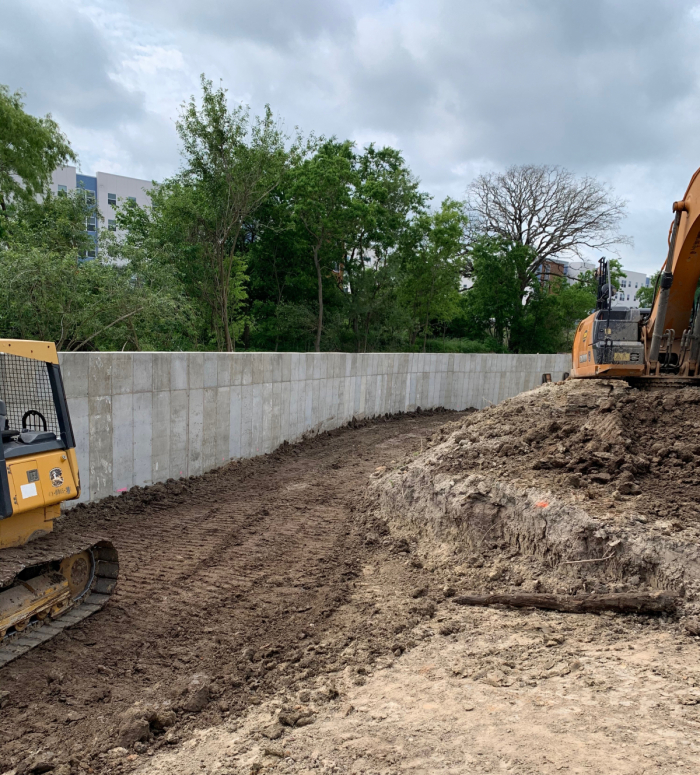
(141, 418)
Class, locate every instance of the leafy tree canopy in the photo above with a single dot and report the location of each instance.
(31, 149)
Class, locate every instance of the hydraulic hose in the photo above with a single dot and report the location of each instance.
(666, 280)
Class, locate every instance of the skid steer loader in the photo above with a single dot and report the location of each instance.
(48, 581)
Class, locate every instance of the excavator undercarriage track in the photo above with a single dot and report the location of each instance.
(662, 383)
(50, 586)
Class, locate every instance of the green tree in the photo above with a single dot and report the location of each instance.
(54, 222)
(85, 305)
(231, 165)
(551, 316)
(31, 149)
(434, 254)
(493, 305)
(645, 295)
(495, 311)
(385, 199)
(322, 202)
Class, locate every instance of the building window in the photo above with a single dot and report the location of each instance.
(62, 189)
(91, 253)
(628, 297)
(91, 223)
(132, 199)
(90, 197)
(112, 224)
(636, 285)
(112, 199)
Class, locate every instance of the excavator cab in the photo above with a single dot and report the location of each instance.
(608, 342)
(657, 346)
(38, 472)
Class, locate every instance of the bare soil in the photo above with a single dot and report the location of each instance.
(473, 691)
(250, 559)
(297, 613)
(577, 487)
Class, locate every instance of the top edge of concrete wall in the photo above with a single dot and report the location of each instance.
(114, 373)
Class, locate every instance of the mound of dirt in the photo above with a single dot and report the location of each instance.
(581, 486)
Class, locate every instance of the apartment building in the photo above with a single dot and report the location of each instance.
(630, 283)
(106, 191)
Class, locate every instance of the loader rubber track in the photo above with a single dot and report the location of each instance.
(52, 549)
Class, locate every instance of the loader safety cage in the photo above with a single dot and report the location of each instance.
(36, 419)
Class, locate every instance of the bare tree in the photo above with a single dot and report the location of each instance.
(548, 209)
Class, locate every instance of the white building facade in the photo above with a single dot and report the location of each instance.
(630, 283)
(105, 190)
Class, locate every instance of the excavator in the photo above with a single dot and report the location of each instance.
(657, 346)
(48, 581)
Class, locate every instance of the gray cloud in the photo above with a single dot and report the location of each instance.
(605, 87)
(57, 56)
(269, 22)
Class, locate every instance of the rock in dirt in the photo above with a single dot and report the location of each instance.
(295, 718)
(133, 727)
(41, 762)
(449, 628)
(424, 608)
(278, 753)
(288, 717)
(197, 693)
(164, 718)
(273, 731)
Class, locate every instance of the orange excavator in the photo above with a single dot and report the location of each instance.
(658, 345)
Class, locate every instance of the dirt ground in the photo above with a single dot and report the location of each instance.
(251, 557)
(475, 690)
(298, 612)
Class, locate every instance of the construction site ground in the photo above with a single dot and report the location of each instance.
(296, 612)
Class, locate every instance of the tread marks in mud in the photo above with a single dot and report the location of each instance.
(240, 558)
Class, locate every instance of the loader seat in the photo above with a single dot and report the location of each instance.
(32, 437)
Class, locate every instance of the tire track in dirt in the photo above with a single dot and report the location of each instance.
(255, 554)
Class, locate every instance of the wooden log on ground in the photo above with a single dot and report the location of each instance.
(622, 602)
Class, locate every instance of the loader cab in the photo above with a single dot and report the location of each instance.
(38, 465)
(33, 411)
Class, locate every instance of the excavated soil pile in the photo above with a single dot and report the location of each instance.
(581, 486)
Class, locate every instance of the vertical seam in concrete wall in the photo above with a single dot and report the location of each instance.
(203, 409)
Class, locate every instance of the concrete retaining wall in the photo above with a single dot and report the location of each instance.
(141, 418)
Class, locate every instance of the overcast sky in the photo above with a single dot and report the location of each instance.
(603, 87)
